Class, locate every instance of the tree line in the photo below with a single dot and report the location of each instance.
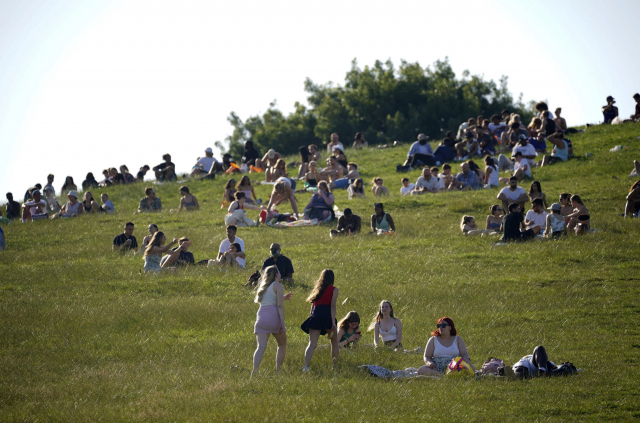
(382, 102)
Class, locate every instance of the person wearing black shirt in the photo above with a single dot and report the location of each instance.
(251, 156)
(284, 265)
(348, 224)
(125, 241)
(513, 226)
(165, 171)
(90, 182)
(13, 207)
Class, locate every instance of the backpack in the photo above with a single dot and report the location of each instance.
(564, 369)
(493, 366)
(253, 279)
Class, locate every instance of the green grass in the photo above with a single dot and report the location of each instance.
(85, 336)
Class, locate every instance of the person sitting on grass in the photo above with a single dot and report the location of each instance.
(537, 216)
(29, 194)
(466, 179)
(513, 194)
(153, 228)
(356, 189)
(469, 227)
(278, 171)
(609, 112)
(314, 154)
(567, 208)
(285, 267)
(475, 168)
(270, 162)
(338, 153)
(188, 201)
(34, 209)
(304, 161)
(3, 243)
(349, 178)
(165, 171)
(535, 191)
(359, 142)
(246, 187)
(128, 178)
(579, 219)
(560, 151)
(206, 164)
(443, 346)
(115, 177)
(636, 116)
(178, 256)
(90, 205)
(469, 147)
(284, 190)
(321, 203)
(378, 188)
(632, 207)
(229, 192)
(386, 326)
(150, 203)
(142, 172)
(125, 241)
(555, 224)
(426, 183)
(311, 178)
(69, 185)
(73, 208)
(270, 317)
(107, 205)
(446, 175)
(52, 202)
(348, 224)
(13, 207)
(153, 253)
(494, 219)
(333, 171)
(234, 257)
(251, 156)
(334, 142)
(444, 152)
(89, 182)
(323, 298)
(513, 228)
(237, 214)
(381, 222)
(231, 239)
(407, 187)
(420, 154)
(349, 330)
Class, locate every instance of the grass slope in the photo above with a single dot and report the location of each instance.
(85, 336)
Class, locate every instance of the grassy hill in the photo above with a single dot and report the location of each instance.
(86, 336)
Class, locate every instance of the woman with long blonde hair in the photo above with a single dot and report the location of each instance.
(270, 317)
(153, 253)
(322, 321)
(386, 326)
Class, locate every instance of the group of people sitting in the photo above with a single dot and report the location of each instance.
(43, 207)
(443, 346)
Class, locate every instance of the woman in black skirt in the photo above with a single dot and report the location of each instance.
(323, 316)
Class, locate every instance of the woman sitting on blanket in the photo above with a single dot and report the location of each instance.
(319, 206)
(349, 330)
(443, 346)
(387, 327)
(283, 190)
(237, 215)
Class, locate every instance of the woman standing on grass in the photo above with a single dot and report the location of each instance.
(535, 191)
(387, 327)
(443, 346)
(323, 301)
(153, 253)
(270, 317)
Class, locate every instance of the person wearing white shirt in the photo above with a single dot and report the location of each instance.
(496, 125)
(407, 187)
(205, 164)
(34, 209)
(107, 205)
(528, 152)
(335, 142)
(513, 194)
(425, 183)
(231, 239)
(420, 153)
(521, 169)
(537, 216)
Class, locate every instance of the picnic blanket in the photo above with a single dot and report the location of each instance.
(295, 224)
(382, 373)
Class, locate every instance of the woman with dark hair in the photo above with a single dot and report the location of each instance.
(322, 321)
(491, 175)
(535, 191)
(188, 201)
(153, 252)
(359, 141)
(150, 203)
(229, 192)
(475, 168)
(632, 208)
(443, 346)
(236, 213)
(494, 220)
(580, 219)
(90, 204)
(251, 156)
(340, 157)
(567, 209)
(386, 326)
(128, 178)
(319, 206)
(349, 330)
(304, 161)
(90, 182)
(270, 317)
(68, 185)
(356, 189)
(245, 186)
(381, 222)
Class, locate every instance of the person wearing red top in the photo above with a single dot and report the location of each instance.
(323, 300)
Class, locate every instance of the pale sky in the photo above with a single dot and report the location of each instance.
(86, 85)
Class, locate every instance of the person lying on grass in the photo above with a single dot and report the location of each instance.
(538, 365)
(381, 222)
(349, 330)
(443, 346)
(153, 253)
(469, 227)
(386, 327)
(270, 318)
(513, 226)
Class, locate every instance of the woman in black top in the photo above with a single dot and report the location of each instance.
(90, 182)
(251, 156)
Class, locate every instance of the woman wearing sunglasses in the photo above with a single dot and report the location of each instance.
(444, 345)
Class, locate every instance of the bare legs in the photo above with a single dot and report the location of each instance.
(263, 339)
(313, 343)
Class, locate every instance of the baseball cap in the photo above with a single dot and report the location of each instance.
(555, 207)
(208, 150)
(422, 137)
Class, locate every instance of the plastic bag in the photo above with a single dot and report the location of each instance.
(459, 368)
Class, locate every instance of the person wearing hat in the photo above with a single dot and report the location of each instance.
(284, 265)
(205, 164)
(469, 147)
(271, 158)
(34, 209)
(420, 154)
(73, 208)
(556, 225)
(610, 112)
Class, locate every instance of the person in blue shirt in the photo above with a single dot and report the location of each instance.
(420, 154)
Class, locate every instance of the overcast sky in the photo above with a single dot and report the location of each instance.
(86, 85)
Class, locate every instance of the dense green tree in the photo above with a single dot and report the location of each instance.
(383, 102)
